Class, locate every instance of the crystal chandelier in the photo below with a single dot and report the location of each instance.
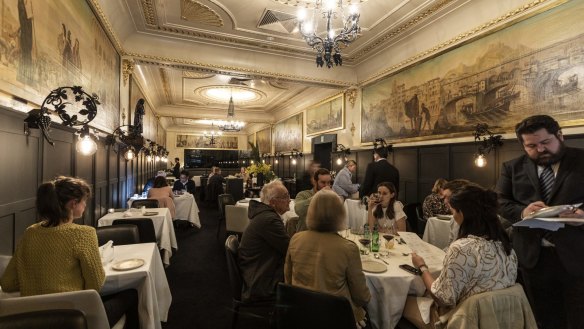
(212, 135)
(325, 46)
(230, 124)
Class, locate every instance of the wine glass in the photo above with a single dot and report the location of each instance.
(365, 242)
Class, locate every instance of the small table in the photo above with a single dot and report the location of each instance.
(437, 231)
(185, 208)
(149, 280)
(162, 227)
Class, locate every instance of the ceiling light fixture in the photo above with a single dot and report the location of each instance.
(230, 124)
(332, 41)
(212, 135)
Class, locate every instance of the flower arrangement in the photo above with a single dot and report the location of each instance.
(261, 168)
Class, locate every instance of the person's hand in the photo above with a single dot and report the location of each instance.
(417, 261)
(576, 213)
(532, 207)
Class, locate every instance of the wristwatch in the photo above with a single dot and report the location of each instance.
(423, 268)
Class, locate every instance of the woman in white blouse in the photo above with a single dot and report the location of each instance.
(479, 260)
(385, 211)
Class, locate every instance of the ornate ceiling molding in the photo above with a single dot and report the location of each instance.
(186, 64)
(107, 26)
(194, 11)
(508, 17)
(310, 3)
(128, 66)
(165, 84)
(149, 10)
(254, 95)
(197, 75)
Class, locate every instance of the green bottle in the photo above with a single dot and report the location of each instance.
(375, 239)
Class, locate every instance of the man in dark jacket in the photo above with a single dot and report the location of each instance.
(379, 171)
(264, 244)
(184, 183)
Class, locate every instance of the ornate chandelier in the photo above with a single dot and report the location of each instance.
(212, 135)
(230, 124)
(331, 42)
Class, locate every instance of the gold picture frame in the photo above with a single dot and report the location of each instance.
(326, 116)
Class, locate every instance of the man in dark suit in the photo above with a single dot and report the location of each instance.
(379, 171)
(184, 183)
(551, 262)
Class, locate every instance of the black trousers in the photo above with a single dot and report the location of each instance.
(118, 304)
(556, 297)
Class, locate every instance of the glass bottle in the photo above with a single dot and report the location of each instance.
(375, 239)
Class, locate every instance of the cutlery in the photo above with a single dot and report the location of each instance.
(377, 257)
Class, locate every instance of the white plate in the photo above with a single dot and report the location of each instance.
(373, 267)
(128, 264)
(151, 213)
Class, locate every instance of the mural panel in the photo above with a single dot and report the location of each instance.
(288, 134)
(326, 116)
(264, 140)
(48, 44)
(250, 139)
(533, 67)
(201, 142)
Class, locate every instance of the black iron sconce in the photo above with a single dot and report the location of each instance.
(486, 141)
(294, 155)
(342, 154)
(277, 157)
(82, 110)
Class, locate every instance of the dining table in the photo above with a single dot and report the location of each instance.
(285, 216)
(437, 231)
(163, 228)
(388, 284)
(185, 207)
(149, 280)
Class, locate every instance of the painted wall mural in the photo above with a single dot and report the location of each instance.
(288, 134)
(535, 66)
(201, 142)
(48, 44)
(250, 139)
(264, 140)
(326, 116)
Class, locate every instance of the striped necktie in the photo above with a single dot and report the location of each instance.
(546, 183)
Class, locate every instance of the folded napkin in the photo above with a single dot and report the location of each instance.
(134, 212)
(106, 252)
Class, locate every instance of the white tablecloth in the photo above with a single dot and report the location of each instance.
(149, 280)
(356, 213)
(287, 215)
(162, 227)
(389, 290)
(437, 232)
(185, 205)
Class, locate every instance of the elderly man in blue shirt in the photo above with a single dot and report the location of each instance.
(343, 185)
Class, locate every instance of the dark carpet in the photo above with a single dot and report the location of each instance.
(198, 280)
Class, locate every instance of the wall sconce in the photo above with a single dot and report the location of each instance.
(486, 141)
(342, 154)
(278, 156)
(82, 110)
(294, 154)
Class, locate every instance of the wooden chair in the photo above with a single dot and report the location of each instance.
(62, 319)
(236, 219)
(145, 228)
(308, 309)
(222, 201)
(148, 203)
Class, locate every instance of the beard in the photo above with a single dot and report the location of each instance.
(548, 158)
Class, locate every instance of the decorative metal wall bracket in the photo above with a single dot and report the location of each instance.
(487, 141)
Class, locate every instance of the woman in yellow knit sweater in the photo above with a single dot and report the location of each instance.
(57, 255)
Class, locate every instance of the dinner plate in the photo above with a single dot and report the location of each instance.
(150, 213)
(373, 267)
(128, 264)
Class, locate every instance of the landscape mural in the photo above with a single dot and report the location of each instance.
(201, 142)
(264, 140)
(60, 44)
(533, 67)
(288, 134)
(326, 116)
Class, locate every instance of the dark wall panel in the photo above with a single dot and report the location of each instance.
(7, 242)
(19, 166)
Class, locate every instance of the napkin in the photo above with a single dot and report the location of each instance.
(424, 304)
(134, 212)
(106, 252)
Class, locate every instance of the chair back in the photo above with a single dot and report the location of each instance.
(421, 220)
(234, 186)
(119, 234)
(62, 319)
(145, 228)
(231, 250)
(412, 220)
(87, 301)
(236, 219)
(503, 308)
(292, 225)
(224, 200)
(302, 308)
(4, 260)
(148, 203)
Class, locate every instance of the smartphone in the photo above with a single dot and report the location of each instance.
(410, 269)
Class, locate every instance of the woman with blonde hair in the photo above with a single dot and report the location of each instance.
(434, 203)
(320, 259)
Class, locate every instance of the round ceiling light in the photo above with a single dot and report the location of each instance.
(222, 94)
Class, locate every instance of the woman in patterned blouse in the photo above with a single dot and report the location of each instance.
(434, 203)
(480, 260)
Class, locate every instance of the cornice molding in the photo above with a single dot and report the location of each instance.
(107, 26)
(197, 12)
(459, 39)
(149, 10)
(165, 84)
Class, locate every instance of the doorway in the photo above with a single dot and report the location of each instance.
(322, 154)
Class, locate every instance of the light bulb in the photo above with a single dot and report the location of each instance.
(251, 161)
(331, 34)
(86, 145)
(329, 5)
(157, 158)
(301, 14)
(294, 161)
(276, 162)
(129, 155)
(353, 9)
(480, 160)
(264, 161)
(148, 158)
(307, 28)
(339, 161)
